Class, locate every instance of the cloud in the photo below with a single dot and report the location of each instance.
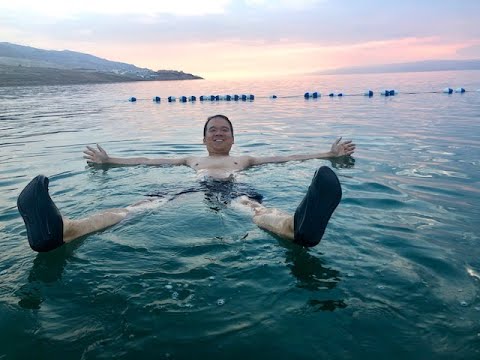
(324, 23)
(71, 9)
(470, 52)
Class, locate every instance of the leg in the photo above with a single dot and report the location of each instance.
(272, 220)
(47, 229)
(308, 225)
(73, 229)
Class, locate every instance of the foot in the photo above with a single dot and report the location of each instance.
(42, 219)
(314, 212)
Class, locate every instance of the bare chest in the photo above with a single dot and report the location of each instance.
(225, 163)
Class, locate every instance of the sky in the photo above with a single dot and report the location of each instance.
(231, 39)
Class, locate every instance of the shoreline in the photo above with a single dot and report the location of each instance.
(14, 76)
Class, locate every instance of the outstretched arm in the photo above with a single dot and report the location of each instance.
(339, 148)
(100, 156)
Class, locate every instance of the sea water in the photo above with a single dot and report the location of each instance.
(396, 274)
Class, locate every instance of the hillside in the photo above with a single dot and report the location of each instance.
(24, 65)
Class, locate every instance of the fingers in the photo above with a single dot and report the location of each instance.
(349, 149)
(93, 152)
(338, 140)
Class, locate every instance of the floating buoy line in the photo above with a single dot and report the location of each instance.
(307, 95)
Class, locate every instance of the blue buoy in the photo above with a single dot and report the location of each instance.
(228, 97)
(182, 99)
(132, 99)
(244, 97)
(313, 95)
(385, 92)
(212, 97)
(251, 97)
(217, 97)
(448, 90)
(331, 94)
(157, 99)
(368, 93)
(236, 97)
(273, 97)
(171, 99)
(192, 98)
(460, 90)
(340, 94)
(392, 93)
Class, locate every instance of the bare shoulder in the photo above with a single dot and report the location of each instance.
(192, 160)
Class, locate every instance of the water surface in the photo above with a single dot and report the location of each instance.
(396, 275)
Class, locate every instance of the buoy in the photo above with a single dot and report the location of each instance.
(228, 97)
(217, 97)
(182, 99)
(460, 90)
(448, 90)
(171, 99)
(368, 93)
(244, 97)
(236, 97)
(331, 94)
(340, 94)
(313, 95)
(157, 99)
(132, 99)
(212, 97)
(192, 98)
(251, 97)
(273, 97)
(389, 92)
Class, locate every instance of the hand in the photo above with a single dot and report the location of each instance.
(342, 148)
(96, 156)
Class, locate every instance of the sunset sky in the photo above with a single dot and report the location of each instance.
(248, 38)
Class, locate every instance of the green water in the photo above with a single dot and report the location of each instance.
(396, 274)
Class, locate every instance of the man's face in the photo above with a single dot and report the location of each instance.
(218, 137)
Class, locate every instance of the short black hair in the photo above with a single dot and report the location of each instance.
(217, 116)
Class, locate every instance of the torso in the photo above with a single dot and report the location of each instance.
(218, 167)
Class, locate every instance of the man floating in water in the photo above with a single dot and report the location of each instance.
(47, 229)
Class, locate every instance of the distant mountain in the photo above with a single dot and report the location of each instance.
(419, 66)
(17, 62)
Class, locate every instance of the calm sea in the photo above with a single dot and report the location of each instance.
(396, 275)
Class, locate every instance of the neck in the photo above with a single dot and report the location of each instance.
(213, 153)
